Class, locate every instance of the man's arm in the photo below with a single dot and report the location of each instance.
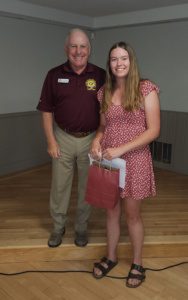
(53, 147)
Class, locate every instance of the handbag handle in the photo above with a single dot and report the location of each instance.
(100, 164)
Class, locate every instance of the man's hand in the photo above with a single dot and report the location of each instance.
(54, 150)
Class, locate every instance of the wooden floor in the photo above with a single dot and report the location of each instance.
(169, 284)
(26, 223)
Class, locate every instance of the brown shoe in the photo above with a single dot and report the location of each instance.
(56, 238)
(81, 239)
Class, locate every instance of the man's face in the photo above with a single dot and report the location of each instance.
(78, 50)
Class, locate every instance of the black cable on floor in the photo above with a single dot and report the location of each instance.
(84, 271)
(45, 271)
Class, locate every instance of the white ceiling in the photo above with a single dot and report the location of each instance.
(99, 8)
(96, 14)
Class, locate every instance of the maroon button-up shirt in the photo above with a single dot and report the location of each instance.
(72, 98)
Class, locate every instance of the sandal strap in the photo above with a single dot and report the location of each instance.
(110, 265)
(100, 267)
(107, 261)
(104, 259)
(138, 268)
(140, 277)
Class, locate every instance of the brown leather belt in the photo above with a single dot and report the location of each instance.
(76, 134)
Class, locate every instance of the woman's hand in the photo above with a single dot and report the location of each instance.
(111, 153)
(95, 150)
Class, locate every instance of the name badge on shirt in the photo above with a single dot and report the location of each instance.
(63, 80)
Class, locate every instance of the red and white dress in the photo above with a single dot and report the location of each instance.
(121, 127)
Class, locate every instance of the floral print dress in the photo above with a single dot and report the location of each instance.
(121, 127)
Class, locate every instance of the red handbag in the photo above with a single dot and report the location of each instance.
(102, 186)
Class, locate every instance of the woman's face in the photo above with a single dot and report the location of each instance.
(119, 62)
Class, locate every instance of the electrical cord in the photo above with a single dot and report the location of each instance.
(89, 272)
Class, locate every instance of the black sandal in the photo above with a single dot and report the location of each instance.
(104, 270)
(141, 277)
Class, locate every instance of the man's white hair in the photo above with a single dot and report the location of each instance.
(75, 30)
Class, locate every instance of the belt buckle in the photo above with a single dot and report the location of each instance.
(76, 134)
(80, 134)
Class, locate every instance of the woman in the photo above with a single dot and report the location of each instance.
(130, 121)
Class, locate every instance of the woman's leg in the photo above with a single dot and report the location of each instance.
(136, 232)
(113, 233)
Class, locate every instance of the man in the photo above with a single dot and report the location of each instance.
(70, 113)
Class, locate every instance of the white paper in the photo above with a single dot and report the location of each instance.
(117, 163)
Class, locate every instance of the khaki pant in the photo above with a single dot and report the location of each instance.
(74, 152)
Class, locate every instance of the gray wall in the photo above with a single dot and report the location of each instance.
(29, 48)
(174, 131)
(22, 142)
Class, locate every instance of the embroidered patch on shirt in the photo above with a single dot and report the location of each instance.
(63, 80)
(90, 84)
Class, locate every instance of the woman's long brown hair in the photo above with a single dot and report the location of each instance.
(132, 96)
